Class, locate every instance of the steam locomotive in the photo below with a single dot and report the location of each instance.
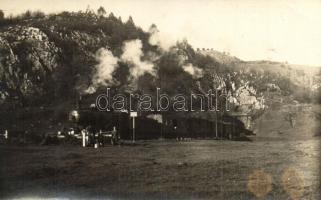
(154, 125)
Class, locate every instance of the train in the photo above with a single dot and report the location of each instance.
(155, 125)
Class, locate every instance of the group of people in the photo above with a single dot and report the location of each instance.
(100, 138)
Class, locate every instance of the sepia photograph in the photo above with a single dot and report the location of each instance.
(160, 99)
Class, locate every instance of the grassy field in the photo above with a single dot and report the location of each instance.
(197, 169)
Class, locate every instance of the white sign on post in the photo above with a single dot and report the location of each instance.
(133, 115)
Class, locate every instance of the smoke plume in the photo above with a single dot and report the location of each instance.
(192, 70)
(160, 39)
(107, 63)
(132, 53)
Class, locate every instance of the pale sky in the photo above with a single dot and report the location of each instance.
(279, 30)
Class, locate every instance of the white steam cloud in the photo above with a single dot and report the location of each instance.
(192, 70)
(132, 53)
(160, 39)
(106, 66)
(107, 63)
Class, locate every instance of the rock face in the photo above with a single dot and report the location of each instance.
(27, 60)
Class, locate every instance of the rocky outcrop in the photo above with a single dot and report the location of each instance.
(27, 60)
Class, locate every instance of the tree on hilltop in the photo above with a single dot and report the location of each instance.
(101, 11)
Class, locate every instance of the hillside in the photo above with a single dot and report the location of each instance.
(48, 57)
(304, 76)
(222, 57)
(48, 61)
